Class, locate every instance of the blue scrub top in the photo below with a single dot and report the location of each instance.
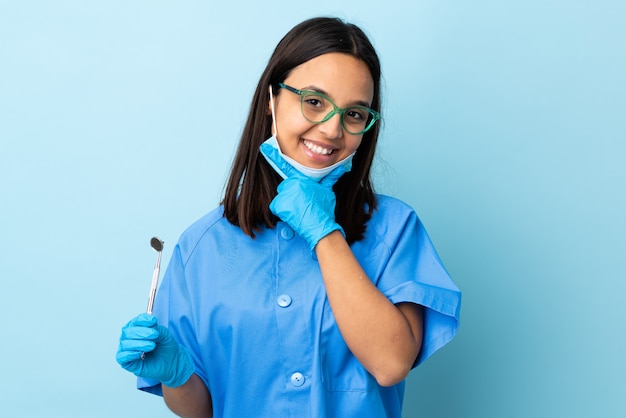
(254, 316)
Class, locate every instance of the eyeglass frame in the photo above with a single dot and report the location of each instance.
(376, 116)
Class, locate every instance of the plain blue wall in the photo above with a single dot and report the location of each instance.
(504, 128)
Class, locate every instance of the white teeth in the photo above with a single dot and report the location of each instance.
(317, 149)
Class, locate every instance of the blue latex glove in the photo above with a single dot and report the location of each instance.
(164, 360)
(307, 206)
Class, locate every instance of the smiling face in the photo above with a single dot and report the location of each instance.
(347, 81)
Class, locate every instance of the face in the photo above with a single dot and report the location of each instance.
(343, 78)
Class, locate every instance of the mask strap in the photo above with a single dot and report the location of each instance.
(274, 130)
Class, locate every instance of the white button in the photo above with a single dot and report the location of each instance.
(287, 233)
(283, 301)
(297, 379)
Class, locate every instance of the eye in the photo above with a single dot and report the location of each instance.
(312, 101)
(356, 115)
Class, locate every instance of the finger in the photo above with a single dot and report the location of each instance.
(140, 346)
(139, 333)
(143, 320)
(124, 358)
(290, 183)
(297, 189)
(164, 336)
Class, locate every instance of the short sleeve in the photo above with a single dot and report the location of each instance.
(414, 273)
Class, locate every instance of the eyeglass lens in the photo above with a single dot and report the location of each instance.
(317, 108)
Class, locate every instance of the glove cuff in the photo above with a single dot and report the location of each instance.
(184, 369)
(332, 227)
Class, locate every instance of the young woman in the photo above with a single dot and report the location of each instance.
(305, 294)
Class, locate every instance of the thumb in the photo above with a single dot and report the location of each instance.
(164, 337)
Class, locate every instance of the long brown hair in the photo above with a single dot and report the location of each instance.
(252, 182)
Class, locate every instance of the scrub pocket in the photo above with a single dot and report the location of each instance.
(341, 371)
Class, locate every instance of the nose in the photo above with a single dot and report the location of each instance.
(332, 128)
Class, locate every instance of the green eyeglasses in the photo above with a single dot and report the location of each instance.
(318, 108)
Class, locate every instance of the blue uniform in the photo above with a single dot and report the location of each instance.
(254, 316)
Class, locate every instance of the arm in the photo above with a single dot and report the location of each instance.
(191, 400)
(386, 338)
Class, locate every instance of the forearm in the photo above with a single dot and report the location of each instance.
(191, 400)
(385, 338)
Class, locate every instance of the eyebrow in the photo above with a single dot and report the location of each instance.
(319, 90)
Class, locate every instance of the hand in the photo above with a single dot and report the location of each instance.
(307, 206)
(148, 350)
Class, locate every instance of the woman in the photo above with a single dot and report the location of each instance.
(305, 293)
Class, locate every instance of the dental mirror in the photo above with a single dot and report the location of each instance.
(157, 244)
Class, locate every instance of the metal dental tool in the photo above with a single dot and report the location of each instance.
(157, 244)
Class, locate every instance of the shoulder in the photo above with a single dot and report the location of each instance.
(392, 219)
(392, 210)
(201, 228)
(392, 204)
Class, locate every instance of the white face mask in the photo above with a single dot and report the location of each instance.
(314, 173)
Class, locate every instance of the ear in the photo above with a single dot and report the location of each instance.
(269, 101)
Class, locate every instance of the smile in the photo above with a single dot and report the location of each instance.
(317, 149)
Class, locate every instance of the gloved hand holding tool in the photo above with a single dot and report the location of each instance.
(147, 349)
(163, 359)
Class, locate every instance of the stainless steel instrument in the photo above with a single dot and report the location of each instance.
(157, 244)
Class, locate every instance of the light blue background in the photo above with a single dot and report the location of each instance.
(504, 128)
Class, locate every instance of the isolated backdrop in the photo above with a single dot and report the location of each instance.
(504, 128)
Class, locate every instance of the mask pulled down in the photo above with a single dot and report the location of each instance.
(316, 174)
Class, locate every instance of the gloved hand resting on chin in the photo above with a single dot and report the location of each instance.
(306, 205)
(163, 359)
